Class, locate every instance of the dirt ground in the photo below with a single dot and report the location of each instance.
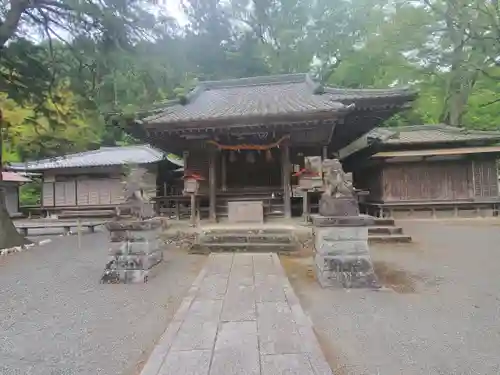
(56, 318)
(439, 312)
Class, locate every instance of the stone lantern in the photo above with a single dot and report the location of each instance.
(134, 251)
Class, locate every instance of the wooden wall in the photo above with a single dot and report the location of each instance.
(462, 179)
(485, 178)
(92, 186)
(370, 179)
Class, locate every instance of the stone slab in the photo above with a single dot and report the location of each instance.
(195, 335)
(277, 340)
(289, 364)
(243, 260)
(160, 352)
(239, 273)
(342, 221)
(268, 288)
(239, 304)
(214, 287)
(205, 310)
(236, 350)
(278, 332)
(191, 362)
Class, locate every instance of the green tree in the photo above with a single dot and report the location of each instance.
(112, 22)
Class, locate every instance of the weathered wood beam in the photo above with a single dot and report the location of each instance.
(305, 206)
(286, 171)
(223, 171)
(212, 183)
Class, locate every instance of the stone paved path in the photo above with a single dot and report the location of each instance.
(240, 316)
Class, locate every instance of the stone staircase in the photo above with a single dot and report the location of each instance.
(386, 231)
(276, 240)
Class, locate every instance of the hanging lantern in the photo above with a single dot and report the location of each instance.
(232, 157)
(269, 156)
(250, 157)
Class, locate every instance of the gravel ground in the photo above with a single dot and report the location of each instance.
(443, 318)
(55, 317)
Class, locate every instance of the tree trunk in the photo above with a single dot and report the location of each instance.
(461, 82)
(11, 22)
(9, 236)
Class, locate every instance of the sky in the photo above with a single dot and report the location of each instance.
(175, 10)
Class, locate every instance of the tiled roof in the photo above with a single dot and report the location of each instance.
(262, 96)
(14, 177)
(425, 134)
(105, 156)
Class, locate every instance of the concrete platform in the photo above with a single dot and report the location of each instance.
(241, 316)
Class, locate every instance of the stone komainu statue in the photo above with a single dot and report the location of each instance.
(135, 191)
(338, 198)
(337, 183)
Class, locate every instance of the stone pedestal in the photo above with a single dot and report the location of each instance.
(134, 251)
(342, 256)
(342, 206)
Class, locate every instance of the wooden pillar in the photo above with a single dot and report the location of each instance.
(223, 171)
(177, 210)
(212, 184)
(286, 170)
(305, 206)
(193, 209)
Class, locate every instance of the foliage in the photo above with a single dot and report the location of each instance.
(59, 87)
(30, 193)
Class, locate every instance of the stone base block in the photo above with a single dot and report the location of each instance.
(346, 271)
(128, 276)
(135, 248)
(342, 206)
(342, 221)
(133, 236)
(134, 225)
(134, 262)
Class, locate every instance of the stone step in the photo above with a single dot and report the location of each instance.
(247, 238)
(245, 231)
(206, 248)
(385, 230)
(383, 222)
(399, 238)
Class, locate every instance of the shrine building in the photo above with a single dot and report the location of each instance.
(245, 142)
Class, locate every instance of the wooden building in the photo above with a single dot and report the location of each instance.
(91, 179)
(10, 184)
(245, 137)
(428, 171)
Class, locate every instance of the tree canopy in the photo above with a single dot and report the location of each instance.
(64, 64)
